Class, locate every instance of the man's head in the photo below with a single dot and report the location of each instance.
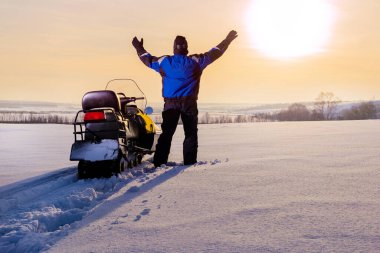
(180, 45)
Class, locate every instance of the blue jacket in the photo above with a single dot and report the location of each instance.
(180, 73)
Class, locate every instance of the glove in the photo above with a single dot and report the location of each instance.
(231, 36)
(226, 42)
(138, 44)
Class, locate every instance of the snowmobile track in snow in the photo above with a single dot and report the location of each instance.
(36, 212)
(9, 190)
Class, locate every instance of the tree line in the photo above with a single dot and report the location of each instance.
(218, 118)
(34, 118)
(325, 108)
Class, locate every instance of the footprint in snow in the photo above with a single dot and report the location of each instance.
(116, 222)
(216, 161)
(146, 211)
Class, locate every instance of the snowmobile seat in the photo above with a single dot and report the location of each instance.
(101, 98)
(108, 129)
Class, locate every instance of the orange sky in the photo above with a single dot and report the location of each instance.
(57, 50)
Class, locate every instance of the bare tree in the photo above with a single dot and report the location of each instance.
(365, 110)
(368, 110)
(295, 112)
(325, 105)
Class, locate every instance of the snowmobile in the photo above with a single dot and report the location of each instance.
(111, 132)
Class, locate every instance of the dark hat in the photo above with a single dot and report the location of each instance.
(180, 45)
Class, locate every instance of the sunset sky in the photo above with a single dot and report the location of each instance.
(56, 50)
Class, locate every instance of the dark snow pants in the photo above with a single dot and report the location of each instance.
(173, 109)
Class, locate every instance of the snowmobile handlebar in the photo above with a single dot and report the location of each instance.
(133, 99)
(130, 99)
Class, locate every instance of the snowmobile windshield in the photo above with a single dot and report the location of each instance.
(129, 91)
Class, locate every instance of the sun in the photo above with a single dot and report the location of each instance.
(284, 29)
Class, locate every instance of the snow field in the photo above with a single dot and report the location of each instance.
(285, 187)
(226, 208)
(34, 220)
(265, 187)
(37, 213)
(33, 149)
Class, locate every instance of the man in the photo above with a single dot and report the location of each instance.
(181, 76)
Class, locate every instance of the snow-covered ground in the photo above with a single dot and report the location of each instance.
(263, 187)
(34, 149)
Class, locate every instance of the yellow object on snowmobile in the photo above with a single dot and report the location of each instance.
(150, 126)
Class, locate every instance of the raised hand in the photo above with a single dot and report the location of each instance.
(136, 43)
(231, 36)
